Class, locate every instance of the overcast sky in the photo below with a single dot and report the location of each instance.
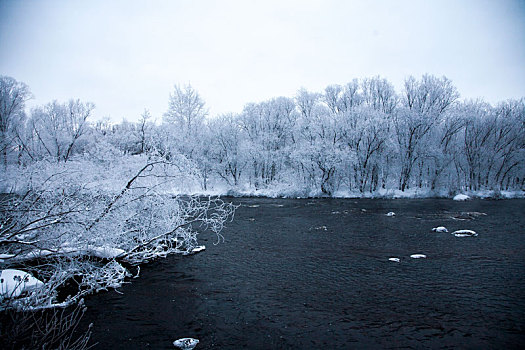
(127, 55)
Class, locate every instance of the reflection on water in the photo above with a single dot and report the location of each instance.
(302, 274)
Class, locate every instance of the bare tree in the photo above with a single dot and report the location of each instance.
(269, 128)
(144, 130)
(425, 101)
(13, 96)
(341, 99)
(186, 108)
(366, 137)
(379, 94)
(58, 127)
(228, 145)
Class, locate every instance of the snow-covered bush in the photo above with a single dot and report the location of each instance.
(126, 215)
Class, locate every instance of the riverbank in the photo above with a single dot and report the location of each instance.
(280, 192)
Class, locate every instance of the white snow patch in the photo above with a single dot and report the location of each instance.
(198, 249)
(418, 256)
(440, 229)
(464, 233)
(394, 259)
(105, 252)
(186, 343)
(15, 282)
(6, 256)
(391, 213)
(461, 197)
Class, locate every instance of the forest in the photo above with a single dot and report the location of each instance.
(359, 139)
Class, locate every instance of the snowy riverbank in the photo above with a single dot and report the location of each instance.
(287, 192)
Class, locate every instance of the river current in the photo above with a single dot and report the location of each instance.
(315, 274)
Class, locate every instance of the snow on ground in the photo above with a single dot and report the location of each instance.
(105, 252)
(440, 229)
(277, 191)
(391, 213)
(461, 197)
(15, 282)
(418, 256)
(464, 233)
(99, 252)
(394, 259)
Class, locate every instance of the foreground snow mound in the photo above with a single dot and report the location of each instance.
(440, 229)
(15, 282)
(186, 343)
(464, 233)
(418, 256)
(461, 197)
(394, 259)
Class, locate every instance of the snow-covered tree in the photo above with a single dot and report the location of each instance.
(229, 148)
(13, 96)
(59, 127)
(424, 104)
(268, 126)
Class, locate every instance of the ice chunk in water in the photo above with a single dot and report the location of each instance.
(464, 233)
(461, 197)
(186, 343)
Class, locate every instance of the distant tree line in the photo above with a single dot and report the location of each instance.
(360, 137)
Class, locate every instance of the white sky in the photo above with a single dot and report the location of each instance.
(126, 55)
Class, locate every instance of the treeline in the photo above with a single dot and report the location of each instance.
(358, 138)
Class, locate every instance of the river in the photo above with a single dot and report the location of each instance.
(315, 274)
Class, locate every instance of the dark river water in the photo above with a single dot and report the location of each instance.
(314, 274)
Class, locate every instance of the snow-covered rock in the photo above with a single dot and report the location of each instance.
(418, 256)
(186, 343)
(464, 233)
(391, 213)
(394, 259)
(15, 282)
(461, 197)
(440, 229)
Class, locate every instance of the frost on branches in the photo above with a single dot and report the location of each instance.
(67, 227)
